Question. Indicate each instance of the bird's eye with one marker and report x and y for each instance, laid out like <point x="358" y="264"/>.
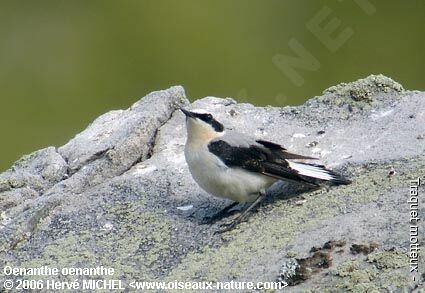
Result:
<point x="209" y="116"/>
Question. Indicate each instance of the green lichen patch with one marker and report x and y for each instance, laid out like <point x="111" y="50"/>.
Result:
<point x="26" y="160"/>
<point x="364" y="89"/>
<point x="379" y="271"/>
<point x="8" y="183"/>
<point x="347" y="268"/>
<point x="126" y="240"/>
<point x="387" y="260"/>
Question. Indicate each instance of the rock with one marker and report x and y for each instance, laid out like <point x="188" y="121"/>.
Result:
<point x="363" y="89"/>
<point x="119" y="194"/>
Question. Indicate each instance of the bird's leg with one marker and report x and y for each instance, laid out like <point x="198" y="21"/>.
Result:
<point x="220" y="214"/>
<point x="242" y="216"/>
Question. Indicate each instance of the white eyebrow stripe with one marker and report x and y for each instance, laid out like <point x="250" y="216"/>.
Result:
<point x="199" y="111"/>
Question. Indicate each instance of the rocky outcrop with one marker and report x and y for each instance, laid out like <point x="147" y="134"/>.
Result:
<point x="119" y="194"/>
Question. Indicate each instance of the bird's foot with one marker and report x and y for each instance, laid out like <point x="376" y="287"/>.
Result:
<point x="230" y="225"/>
<point x="225" y="227"/>
<point x="221" y="214"/>
<point x="214" y="218"/>
<point x="241" y="217"/>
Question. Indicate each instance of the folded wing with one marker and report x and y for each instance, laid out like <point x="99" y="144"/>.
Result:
<point x="272" y="160"/>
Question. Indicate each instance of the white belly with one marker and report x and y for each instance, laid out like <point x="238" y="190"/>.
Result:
<point x="216" y="178"/>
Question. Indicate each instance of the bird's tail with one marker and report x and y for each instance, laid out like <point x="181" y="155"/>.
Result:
<point x="313" y="171"/>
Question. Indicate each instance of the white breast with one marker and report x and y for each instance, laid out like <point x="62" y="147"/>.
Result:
<point x="216" y="178"/>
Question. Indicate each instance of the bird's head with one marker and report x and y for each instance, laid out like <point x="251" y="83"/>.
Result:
<point x="202" y="125"/>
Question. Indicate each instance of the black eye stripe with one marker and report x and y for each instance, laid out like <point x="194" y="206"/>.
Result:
<point x="217" y="125"/>
<point x="205" y="117"/>
<point x="208" y="118"/>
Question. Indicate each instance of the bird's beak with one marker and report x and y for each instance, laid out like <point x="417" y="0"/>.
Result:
<point x="187" y="113"/>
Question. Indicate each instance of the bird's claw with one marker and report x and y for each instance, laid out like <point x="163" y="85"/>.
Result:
<point x="214" y="218"/>
<point x="207" y="220"/>
<point x="225" y="227"/>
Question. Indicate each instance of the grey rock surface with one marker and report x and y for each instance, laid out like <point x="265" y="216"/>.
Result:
<point x="120" y="195"/>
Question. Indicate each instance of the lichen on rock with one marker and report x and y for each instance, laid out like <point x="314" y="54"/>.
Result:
<point x="364" y="89"/>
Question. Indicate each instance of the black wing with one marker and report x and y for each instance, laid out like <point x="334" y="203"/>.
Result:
<point x="280" y="151"/>
<point x="265" y="157"/>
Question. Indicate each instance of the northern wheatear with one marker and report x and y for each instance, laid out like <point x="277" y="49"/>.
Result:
<point x="231" y="165"/>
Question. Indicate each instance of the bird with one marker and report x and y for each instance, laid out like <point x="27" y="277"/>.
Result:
<point x="235" y="166"/>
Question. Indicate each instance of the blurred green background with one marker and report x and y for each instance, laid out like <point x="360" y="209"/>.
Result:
<point x="63" y="63"/>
